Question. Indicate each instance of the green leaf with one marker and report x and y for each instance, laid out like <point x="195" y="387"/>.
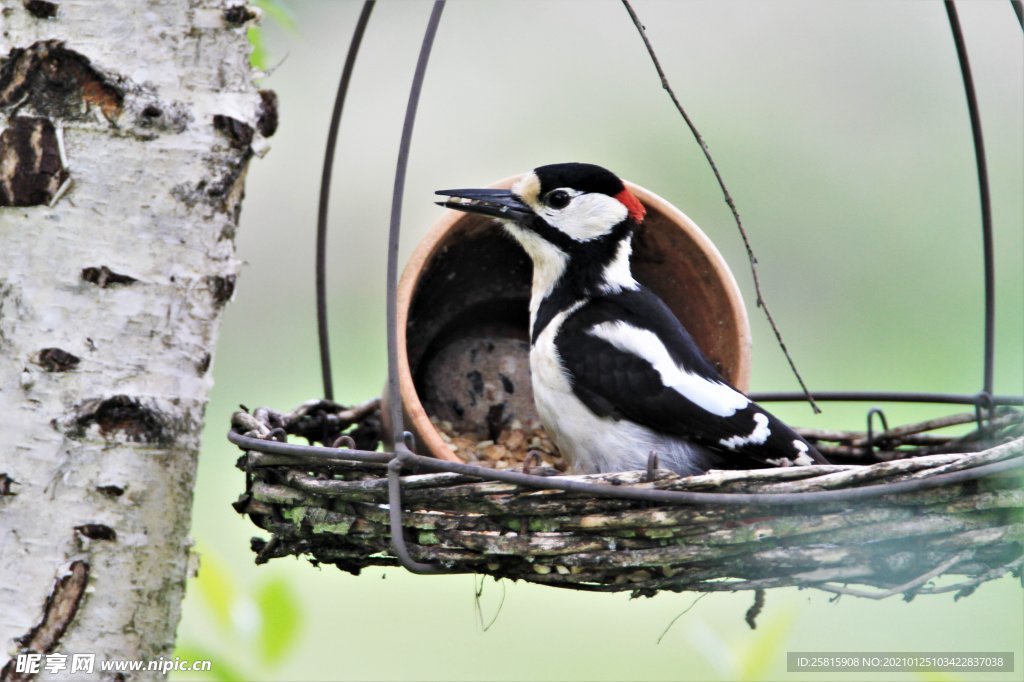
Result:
<point x="216" y="588"/>
<point x="280" y="619"/>
<point x="757" y="660"/>
<point x="258" y="58"/>
<point x="279" y="13"/>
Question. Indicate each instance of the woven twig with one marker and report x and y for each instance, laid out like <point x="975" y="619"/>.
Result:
<point x="894" y="544"/>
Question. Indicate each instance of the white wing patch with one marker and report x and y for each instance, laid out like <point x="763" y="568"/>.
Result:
<point x="713" y="396"/>
<point x="758" y="436"/>
<point x="802" y="458"/>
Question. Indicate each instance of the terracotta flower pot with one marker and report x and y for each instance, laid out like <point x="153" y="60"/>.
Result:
<point x="463" y="317"/>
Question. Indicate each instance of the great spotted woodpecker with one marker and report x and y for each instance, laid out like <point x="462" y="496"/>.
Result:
<point x="616" y="376"/>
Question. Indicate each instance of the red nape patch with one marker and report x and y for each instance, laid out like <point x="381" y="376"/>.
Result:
<point x="632" y="204"/>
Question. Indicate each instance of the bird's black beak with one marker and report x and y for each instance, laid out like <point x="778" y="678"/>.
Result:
<point x="499" y="203"/>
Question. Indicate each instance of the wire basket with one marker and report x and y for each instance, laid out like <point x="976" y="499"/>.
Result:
<point x="905" y="506"/>
<point x="893" y="525"/>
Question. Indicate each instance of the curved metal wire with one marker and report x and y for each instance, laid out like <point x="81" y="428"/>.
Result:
<point x="325" y="193"/>
<point x="988" y="247"/>
<point x="400" y="438"/>
<point x="394" y="398"/>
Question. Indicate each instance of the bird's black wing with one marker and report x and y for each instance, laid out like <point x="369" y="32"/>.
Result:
<point x="628" y="357"/>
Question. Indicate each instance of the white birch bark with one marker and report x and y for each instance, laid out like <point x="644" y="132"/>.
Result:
<point x="111" y="293"/>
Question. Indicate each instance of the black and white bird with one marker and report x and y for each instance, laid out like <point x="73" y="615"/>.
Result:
<point x="615" y="375"/>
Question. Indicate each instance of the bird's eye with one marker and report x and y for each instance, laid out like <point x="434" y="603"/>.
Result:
<point x="558" y="199"/>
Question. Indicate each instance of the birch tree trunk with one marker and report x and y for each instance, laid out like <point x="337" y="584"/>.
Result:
<point x="127" y="128"/>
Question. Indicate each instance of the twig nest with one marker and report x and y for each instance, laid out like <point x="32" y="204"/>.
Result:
<point x="463" y="318"/>
<point x="336" y="511"/>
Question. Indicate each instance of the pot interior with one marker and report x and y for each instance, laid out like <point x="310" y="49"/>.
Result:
<point x="467" y="334"/>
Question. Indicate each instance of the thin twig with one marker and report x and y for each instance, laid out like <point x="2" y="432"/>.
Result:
<point x="851" y="444"/>
<point x="680" y="615"/>
<point x="899" y="589"/>
<point x="991" y="574"/>
<point x="478" y="592"/>
<point x="728" y="200"/>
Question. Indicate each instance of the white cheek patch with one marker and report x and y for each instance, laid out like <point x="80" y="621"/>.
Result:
<point x="715" y="397"/>
<point x="587" y="217"/>
<point x="757" y="437"/>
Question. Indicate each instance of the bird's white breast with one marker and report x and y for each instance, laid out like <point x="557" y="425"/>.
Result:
<point x="590" y="443"/>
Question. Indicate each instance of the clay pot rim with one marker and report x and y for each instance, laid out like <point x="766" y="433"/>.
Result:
<point x="416" y="416"/>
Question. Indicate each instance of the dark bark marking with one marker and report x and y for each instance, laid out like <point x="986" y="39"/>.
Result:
<point x="267" y="120"/>
<point x="104" y="277"/>
<point x="97" y="531"/>
<point x="58" y="613"/>
<point x="238" y="132"/>
<point x="5" y="485"/>
<point x="56" y="360"/>
<point x="110" y="490"/>
<point x="41" y="9"/>
<point x="55" y="81"/>
<point x="222" y="287"/>
<point x="203" y="366"/>
<point x="238" y="15"/>
<point x="31" y="171"/>
<point x="220" y="189"/>
<point x="121" y="414"/>
<point x="155" y="116"/>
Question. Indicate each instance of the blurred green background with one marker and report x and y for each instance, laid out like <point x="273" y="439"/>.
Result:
<point x="843" y="135"/>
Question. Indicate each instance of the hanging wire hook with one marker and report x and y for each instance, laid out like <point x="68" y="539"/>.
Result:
<point x="875" y="411"/>
<point x="532" y="459"/>
<point x="985" y="406"/>
<point x="344" y="442"/>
